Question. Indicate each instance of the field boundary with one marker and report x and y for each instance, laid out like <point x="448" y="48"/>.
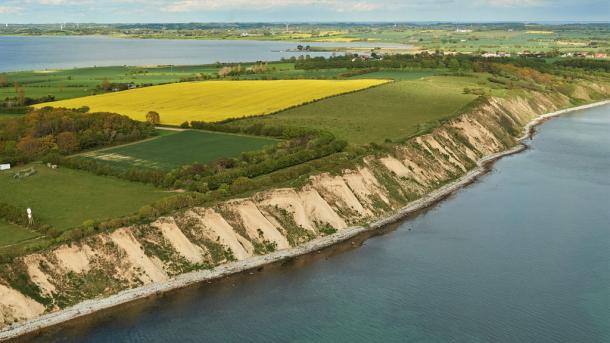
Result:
<point x="177" y="149"/>
<point x="230" y="120"/>
<point x="178" y="116"/>
<point x="82" y="153"/>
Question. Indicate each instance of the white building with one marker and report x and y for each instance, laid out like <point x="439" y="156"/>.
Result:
<point x="5" y="166"/>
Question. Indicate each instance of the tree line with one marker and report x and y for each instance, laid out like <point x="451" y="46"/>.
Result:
<point x="461" y="62"/>
<point x="64" y="131"/>
<point x="422" y="60"/>
<point x="227" y="175"/>
<point x="586" y="64"/>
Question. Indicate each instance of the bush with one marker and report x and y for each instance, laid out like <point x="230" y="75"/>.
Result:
<point x="89" y="225"/>
<point x="13" y="214"/>
<point x="327" y="230"/>
<point x="147" y="212"/>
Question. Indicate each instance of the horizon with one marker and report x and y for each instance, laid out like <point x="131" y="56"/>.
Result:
<point x="363" y="22"/>
<point x="294" y="11"/>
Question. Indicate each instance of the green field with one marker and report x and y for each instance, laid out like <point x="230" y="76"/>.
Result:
<point x="65" y="198"/>
<point x="286" y="71"/>
<point x="12" y="234"/>
<point x="392" y="111"/>
<point x="7" y="116"/>
<point x="180" y="148"/>
<point x="80" y="82"/>
<point x="532" y="39"/>
<point x="398" y="75"/>
<point x="71" y="83"/>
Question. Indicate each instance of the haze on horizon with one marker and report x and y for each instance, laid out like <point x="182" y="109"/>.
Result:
<point x="160" y="11"/>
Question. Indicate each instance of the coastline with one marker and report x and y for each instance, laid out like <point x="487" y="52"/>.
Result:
<point x="94" y="305"/>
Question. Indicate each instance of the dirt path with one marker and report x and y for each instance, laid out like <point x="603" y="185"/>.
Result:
<point x="24" y="241"/>
<point x="128" y="144"/>
<point x="169" y="128"/>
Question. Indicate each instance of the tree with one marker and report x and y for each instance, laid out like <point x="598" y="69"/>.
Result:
<point x="67" y="142"/>
<point x="453" y="64"/>
<point x="106" y="85"/>
<point x="66" y="131"/>
<point x="20" y="93"/>
<point x="224" y="71"/>
<point x="3" y="80"/>
<point x="153" y="117"/>
<point x="29" y="146"/>
<point x="242" y="184"/>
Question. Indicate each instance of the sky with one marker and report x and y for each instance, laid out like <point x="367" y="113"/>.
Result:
<point x="163" y="11"/>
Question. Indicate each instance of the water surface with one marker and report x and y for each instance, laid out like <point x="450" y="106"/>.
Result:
<point x="522" y="255"/>
<point x="49" y="52"/>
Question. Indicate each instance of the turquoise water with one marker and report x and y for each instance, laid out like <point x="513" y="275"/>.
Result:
<point x="522" y="255"/>
<point x="32" y="53"/>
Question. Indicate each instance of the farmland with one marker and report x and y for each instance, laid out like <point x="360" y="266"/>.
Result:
<point x="321" y="109"/>
<point x="180" y="148"/>
<point x="466" y="37"/>
<point x="64" y="198"/>
<point x="396" y="110"/>
<point x="79" y="82"/>
<point x="215" y="100"/>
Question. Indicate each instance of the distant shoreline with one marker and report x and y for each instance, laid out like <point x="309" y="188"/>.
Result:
<point x="340" y="44"/>
<point x="25" y="54"/>
<point x="90" y="306"/>
<point x="320" y="46"/>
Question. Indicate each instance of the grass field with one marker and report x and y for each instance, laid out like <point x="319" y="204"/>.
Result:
<point x="532" y="38"/>
<point x="215" y="100"/>
<point x="393" y="111"/>
<point x="7" y="116"/>
<point x="79" y="82"/>
<point x="12" y="234"/>
<point x="180" y="148"/>
<point x="64" y="198"/>
<point x="397" y="74"/>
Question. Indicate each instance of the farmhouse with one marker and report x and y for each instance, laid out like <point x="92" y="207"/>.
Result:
<point x="494" y="55"/>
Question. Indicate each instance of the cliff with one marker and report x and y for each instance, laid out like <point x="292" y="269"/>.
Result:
<point x="202" y="238"/>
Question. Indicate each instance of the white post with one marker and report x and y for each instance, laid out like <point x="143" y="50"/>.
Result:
<point x="30" y="218"/>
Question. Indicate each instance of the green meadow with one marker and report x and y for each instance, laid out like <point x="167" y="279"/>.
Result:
<point x="393" y="111"/>
<point x="398" y="75"/>
<point x="13" y="234"/>
<point x="78" y="82"/>
<point x="65" y="198"/>
<point x="180" y="148"/>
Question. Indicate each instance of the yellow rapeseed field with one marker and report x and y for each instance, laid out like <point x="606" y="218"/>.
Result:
<point x="214" y="100"/>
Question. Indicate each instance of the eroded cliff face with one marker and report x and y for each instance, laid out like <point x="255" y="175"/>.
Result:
<point x="234" y="230"/>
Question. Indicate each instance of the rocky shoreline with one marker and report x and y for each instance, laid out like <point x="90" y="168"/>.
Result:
<point x="90" y="306"/>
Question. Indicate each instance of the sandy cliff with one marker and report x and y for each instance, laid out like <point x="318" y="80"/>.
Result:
<point x="235" y="230"/>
